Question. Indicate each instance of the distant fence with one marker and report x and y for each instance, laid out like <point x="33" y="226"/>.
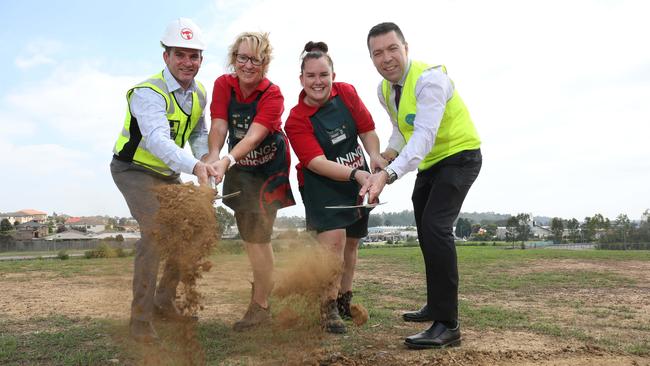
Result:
<point x="35" y="245"/>
<point x="573" y="246"/>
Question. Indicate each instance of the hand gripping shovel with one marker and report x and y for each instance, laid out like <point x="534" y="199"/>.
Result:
<point x="213" y="184"/>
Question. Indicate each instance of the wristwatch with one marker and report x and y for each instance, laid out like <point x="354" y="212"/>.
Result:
<point x="232" y="160"/>
<point x="352" y="173"/>
<point x="392" y="176"/>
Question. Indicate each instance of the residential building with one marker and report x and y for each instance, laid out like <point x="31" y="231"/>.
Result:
<point x="31" y="230"/>
<point x="89" y="224"/>
<point x="25" y="215"/>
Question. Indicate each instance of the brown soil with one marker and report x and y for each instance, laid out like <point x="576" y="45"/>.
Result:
<point x="187" y="234"/>
<point x="226" y="293"/>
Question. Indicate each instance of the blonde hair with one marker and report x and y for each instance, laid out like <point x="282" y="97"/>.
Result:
<point x="258" y="42"/>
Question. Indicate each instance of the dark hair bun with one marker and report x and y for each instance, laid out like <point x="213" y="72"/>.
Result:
<point x="316" y="46"/>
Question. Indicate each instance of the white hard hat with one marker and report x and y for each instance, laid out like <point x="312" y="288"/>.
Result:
<point x="183" y="32"/>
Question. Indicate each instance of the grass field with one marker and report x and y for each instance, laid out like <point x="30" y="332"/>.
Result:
<point x="533" y="307"/>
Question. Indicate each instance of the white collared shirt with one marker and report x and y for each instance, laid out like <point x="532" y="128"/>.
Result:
<point x="149" y="108"/>
<point x="432" y="91"/>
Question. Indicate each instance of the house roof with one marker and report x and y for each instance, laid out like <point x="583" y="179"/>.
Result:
<point x="85" y="221"/>
<point x="23" y="213"/>
<point x="31" y="224"/>
<point x="69" y="235"/>
<point x="31" y="211"/>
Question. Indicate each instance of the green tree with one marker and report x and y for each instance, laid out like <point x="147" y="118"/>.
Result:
<point x="375" y="220"/>
<point x="523" y="229"/>
<point x="573" y="226"/>
<point x="623" y="226"/>
<point x="557" y="228"/>
<point x="491" y="230"/>
<point x="511" y="229"/>
<point x="463" y="228"/>
<point x="225" y="219"/>
<point x="112" y="222"/>
<point x="5" y="225"/>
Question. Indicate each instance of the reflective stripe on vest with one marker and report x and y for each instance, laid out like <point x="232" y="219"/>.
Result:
<point x="130" y="145"/>
<point x="456" y="132"/>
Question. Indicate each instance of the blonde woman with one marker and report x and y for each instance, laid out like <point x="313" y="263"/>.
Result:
<point x="247" y="108"/>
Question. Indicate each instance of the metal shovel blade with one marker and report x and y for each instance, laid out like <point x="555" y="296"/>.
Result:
<point x="213" y="184"/>
<point x="219" y="197"/>
<point x="367" y="205"/>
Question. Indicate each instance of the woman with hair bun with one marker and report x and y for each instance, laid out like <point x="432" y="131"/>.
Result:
<point x="323" y="129"/>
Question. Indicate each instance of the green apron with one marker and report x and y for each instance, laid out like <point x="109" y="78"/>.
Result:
<point x="336" y="132"/>
<point x="262" y="176"/>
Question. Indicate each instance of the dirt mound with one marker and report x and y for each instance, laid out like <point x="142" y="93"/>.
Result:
<point x="359" y="314"/>
<point x="187" y="234"/>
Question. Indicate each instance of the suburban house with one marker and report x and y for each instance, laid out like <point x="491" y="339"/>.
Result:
<point x="89" y="224"/>
<point x="24" y="216"/>
<point x="31" y="230"/>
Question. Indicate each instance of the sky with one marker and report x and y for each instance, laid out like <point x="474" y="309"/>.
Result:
<point x="558" y="90"/>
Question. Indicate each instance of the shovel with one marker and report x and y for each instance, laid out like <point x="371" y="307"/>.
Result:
<point x="365" y="204"/>
<point x="213" y="184"/>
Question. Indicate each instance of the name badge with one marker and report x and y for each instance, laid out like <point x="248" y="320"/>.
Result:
<point x="337" y="135"/>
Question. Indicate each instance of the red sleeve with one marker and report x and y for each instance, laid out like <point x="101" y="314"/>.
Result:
<point x="220" y="99"/>
<point x="301" y="137"/>
<point x="270" y="109"/>
<point x="359" y="111"/>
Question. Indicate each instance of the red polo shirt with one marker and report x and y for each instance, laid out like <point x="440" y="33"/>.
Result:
<point x="301" y="132"/>
<point x="269" y="108"/>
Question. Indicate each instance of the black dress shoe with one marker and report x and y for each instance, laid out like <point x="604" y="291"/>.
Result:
<point x="143" y="332"/>
<point x="438" y="336"/>
<point x="171" y="313"/>
<point x="421" y="315"/>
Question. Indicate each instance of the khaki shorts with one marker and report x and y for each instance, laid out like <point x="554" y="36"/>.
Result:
<point x="255" y="227"/>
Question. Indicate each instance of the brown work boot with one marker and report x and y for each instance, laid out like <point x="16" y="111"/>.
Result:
<point x="143" y="332"/>
<point x="343" y="304"/>
<point x="255" y="315"/>
<point x="330" y="318"/>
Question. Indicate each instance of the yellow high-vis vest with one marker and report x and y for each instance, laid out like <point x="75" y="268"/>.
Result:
<point x="456" y="132"/>
<point x="129" y="145"/>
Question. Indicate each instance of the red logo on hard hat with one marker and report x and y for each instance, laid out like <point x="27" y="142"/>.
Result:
<point x="187" y="34"/>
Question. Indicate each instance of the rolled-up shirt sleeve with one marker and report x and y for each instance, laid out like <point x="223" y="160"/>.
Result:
<point x="149" y="108"/>
<point x="432" y="90"/>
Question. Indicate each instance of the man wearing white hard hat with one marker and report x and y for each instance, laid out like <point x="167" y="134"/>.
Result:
<point x="164" y="112"/>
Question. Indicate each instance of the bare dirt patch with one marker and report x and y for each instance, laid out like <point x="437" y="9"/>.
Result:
<point x="226" y="290"/>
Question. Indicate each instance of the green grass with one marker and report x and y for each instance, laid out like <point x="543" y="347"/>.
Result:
<point x="73" y="266"/>
<point x="37" y="253"/>
<point x="59" y="341"/>
<point x="513" y="297"/>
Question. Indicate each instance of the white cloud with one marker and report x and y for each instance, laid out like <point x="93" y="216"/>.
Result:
<point x="557" y="90"/>
<point x="37" y="53"/>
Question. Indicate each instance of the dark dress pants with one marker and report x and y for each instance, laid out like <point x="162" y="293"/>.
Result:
<point x="438" y="195"/>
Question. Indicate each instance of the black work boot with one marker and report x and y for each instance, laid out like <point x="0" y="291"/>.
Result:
<point x="330" y="318"/>
<point x="343" y="302"/>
